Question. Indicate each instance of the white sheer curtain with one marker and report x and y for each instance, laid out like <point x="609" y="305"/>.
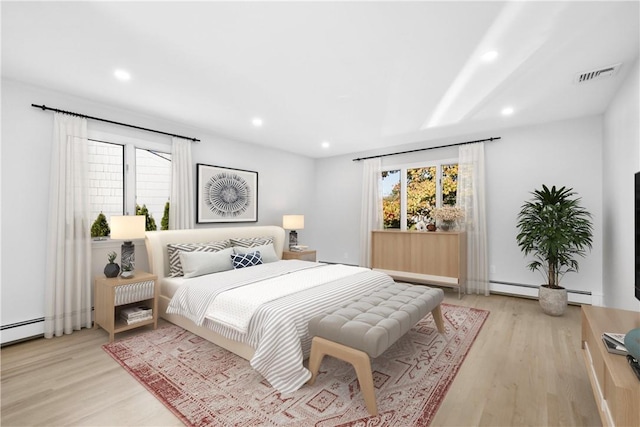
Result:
<point x="181" y="208"/>
<point x="471" y="198"/>
<point x="68" y="273"/>
<point x="371" y="209"/>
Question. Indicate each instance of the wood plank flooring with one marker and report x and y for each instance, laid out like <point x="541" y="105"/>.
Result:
<point x="525" y="369"/>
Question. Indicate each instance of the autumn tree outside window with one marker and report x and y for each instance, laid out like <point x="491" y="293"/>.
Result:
<point x="410" y="193"/>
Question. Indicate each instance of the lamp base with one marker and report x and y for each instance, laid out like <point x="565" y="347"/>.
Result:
<point x="128" y="257"/>
<point x="293" y="238"/>
<point x="127" y="274"/>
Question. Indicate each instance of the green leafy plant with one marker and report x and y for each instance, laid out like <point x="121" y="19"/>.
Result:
<point x="555" y="229"/>
<point x="100" y="227"/>
<point x="150" y="223"/>
<point x="164" y="223"/>
<point x="111" y="256"/>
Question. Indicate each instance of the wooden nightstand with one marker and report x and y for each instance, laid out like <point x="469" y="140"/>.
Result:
<point x="302" y="255"/>
<point x="112" y="295"/>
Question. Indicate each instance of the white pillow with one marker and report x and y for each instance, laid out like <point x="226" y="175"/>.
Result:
<point x="199" y="263"/>
<point x="267" y="252"/>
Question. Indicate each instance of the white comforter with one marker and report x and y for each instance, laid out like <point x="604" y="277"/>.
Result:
<point x="277" y="326"/>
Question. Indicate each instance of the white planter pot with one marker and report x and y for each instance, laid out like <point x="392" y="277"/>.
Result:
<point x="552" y="301"/>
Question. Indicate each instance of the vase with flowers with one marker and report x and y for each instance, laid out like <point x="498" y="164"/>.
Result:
<point x="447" y="217"/>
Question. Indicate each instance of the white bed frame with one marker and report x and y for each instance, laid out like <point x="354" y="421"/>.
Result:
<point x="156" y="243"/>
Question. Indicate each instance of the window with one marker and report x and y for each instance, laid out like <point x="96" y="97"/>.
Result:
<point x="106" y="179"/>
<point x="124" y="176"/>
<point x="409" y="194"/>
<point x="153" y="182"/>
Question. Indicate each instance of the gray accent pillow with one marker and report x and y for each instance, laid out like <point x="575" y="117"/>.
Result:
<point x="267" y="251"/>
<point x="198" y="263"/>
<point x="174" y="249"/>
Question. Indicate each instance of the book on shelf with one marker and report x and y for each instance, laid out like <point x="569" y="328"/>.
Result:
<point x="614" y="337"/>
<point x="136" y="320"/>
<point x="137" y="312"/>
<point x="613" y="347"/>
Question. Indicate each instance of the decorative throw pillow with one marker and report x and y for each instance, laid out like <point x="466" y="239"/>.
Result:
<point x="174" y="249"/>
<point x="199" y="263"/>
<point x="267" y="252"/>
<point x="250" y="242"/>
<point x="246" y="260"/>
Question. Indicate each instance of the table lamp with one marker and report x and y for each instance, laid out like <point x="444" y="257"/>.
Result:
<point x="293" y="223"/>
<point x="127" y="228"/>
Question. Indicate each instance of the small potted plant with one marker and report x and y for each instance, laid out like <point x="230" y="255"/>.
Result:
<point x="555" y="229"/>
<point x="447" y="217"/>
<point x="112" y="269"/>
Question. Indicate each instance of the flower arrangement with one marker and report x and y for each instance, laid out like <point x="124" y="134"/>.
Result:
<point x="448" y="213"/>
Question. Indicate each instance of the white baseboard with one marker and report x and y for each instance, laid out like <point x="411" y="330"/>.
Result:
<point x="22" y="332"/>
<point x="532" y="292"/>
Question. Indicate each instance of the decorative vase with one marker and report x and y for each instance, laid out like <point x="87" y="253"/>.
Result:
<point x="112" y="270"/>
<point x="431" y="227"/>
<point x="447" y="225"/>
<point x="632" y="342"/>
<point x="552" y="301"/>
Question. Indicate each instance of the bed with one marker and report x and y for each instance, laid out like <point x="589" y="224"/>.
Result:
<point x="274" y="338"/>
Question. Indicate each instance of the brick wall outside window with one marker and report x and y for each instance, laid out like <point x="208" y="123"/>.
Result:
<point x="106" y="180"/>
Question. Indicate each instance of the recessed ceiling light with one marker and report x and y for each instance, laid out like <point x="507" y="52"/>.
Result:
<point x="325" y="144"/>
<point x="507" y="111"/>
<point x="490" y="56"/>
<point x="122" y="75"/>
<point x="257" y="122"/>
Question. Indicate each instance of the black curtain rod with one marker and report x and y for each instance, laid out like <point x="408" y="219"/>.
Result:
<point x="494" y="138"/>
<point x="44" y="107"/>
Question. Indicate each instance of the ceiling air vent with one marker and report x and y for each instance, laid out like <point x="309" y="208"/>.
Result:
<point x="599" y="74"/>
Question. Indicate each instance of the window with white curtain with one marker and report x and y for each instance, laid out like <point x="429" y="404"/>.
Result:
<point x="123" y="176"/>
<point x="411" y="192"/>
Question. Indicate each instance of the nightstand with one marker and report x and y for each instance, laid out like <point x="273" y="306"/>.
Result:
<point x="112" y="295"/>
<point x="302" y="255"/>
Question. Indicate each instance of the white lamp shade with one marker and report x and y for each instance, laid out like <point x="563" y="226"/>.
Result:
<point x="293" y="222"/>
<point x="128" y="227"/>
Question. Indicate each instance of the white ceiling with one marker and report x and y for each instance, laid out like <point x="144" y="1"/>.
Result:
<point x="361" y="75"/>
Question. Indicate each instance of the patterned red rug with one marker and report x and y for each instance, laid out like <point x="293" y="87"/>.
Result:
<point x="205" y="385"/>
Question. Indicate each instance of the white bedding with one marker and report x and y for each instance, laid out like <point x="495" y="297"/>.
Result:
<point x="235" y="308"/>
<point x="195" y="296"/>
<point x="277" y="329"/>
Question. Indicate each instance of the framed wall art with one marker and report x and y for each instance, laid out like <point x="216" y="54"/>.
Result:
<point x="226" y="195"/>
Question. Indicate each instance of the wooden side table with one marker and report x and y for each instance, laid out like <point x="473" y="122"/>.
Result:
<point x="301" y="255"/>
<point x="112" y="295"/>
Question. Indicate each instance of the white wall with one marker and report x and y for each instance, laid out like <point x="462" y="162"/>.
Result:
<point x="565" y="153"/>
<point x="621" y="160"/>
<point x="284" y="181"/>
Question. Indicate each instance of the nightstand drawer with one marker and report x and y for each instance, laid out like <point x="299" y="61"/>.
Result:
<point x="301" y="255"/>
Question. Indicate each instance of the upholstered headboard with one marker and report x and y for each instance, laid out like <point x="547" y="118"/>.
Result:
<point x="157" y="241"/>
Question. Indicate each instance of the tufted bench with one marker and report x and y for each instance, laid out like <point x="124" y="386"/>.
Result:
<point x="366" y="327"/>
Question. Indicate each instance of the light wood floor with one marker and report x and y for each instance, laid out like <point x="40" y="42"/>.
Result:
<point x="525" y="369"/>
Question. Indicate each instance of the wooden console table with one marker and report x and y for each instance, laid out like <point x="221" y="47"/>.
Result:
<point x="438" y="258"/>
<point x="615" y="386"/>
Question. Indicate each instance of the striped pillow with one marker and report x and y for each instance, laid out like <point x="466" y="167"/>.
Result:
<point x="250" y="242"/>
<point x="174" y="249"/>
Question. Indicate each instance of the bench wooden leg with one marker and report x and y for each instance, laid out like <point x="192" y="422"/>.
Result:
<point x="321" y="347"/>
<point x="437" y="317"/>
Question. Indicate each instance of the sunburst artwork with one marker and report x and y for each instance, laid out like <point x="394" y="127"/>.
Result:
<point x="226" y="195"/>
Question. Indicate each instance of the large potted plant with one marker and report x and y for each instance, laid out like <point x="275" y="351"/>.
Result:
<point x="555" y="229"/>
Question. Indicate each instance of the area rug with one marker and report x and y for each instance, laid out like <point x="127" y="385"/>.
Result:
<point x="205" y="385"/>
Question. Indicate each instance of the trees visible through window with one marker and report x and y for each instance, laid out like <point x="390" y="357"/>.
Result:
<point x="410" y="194"/>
